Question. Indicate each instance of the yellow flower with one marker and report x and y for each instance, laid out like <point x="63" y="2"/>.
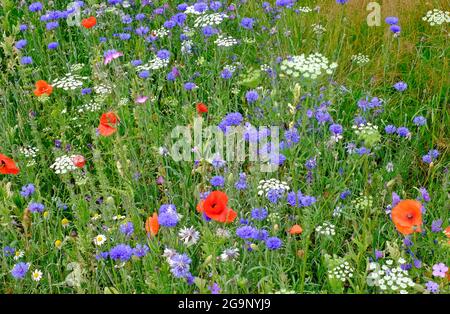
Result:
<point x="58" y="244"/>
<point x="46" y="214"/>
<point x="65" y="222"/>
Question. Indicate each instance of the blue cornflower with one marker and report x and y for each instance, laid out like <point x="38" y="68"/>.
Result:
<point x="144" y="74"/>
<point x="306" y="200"/>
<point x="179" y="18"/>
<point x="241" y="184"/>
<point x="34" y="7"/>
<point x="190" y="86"/>
<point x="259" y="213"/>
<point x="209" y="31"/>
<point x="170" y="24"/>
<point x="168" y="216"/>
<point x="86" y="91"/>
<point x="136" y="62"/>
<point x="36" y="207"/>
<point x="291" y="199"/>
<point x="400" y="86"/>
<point x="9" y="251"/>
<point x="200" y="7"/>
<point x="403" y="131"/>
<point x="391" y="20"/>
<point x="245" y="232"/>
<point x="344" y="194"/>
<point x="142" y="30"/>
<point x="419" y="121"/>
<point x="363" y="151"/>
<point x="179" y="264"/>
<point x="52" y="25"/>
<point x="215" y="5"/>
<point x="341" y="1"/>
<point x="273" y="195"/>
<point x="124" y="36"/>
<point x="247" y="23"/>
<point x="140" y="250"/>
<point x="217" y="181"/>
<point x="214" y="288"/>
<point x="53" y="45"/>
<point x="226" y="74"/>
<point x="274" y="243"/>
<point x="27" y="190"/>
<point x="292" y="135"/>
<point x="311" y="163"/>
<point x="395" y="29"/>
<point x="23" y="27"/>
<point x="163" y="54"/>
<point x="26" y="60"/>
<point x="101" y="255"/>
<point x="284" y="3"/>
<point x="336" y="129"/>
<point x="122" y="252"/>
<point x="252" y="96"/>
<point x="20" y="44"/>
<point x="390" y="129"/>
<point x="436" y="225"/>
<point x="182" y="7"/>
<point x="127" y="229"/>
<point x="139" y="16"/>
<point x="20" y="270"/>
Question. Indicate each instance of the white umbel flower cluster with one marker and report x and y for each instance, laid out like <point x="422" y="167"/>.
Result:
<point x="265" y="186"/>
<point x="226" y="41"/>
<point x="437" y="17"/>
<point x="389" y="278"/>
<point x="342" y="272"/>
<point x="311" y="66"/>
<point x="103" y="89"/>
<point x="69" y="81"/>
<point x="327" y="229"/>
<point x="161" y="32"/>
<point x="190" y="10"/>
<point x="362" y="202"/>
<point x="305" y="9"/>
<point x="63" y="164"/>
<point x="92" y="106"/>
<point x="29" y="151"/>
<point x="209" y="19"/>
<point x="360" y="59"/>
<point x="154" y="64"/>
<point x="318" y="29"/>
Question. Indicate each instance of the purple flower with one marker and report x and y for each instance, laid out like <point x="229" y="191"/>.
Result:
<point x="200" y="7"/>
<point x="27" y="190"/>
<point x="127" y="229"/>
<point x="378" y="254"/>
<point x="86" y="91"/>
<point x="284" y="3"/>
<point x="247" y="23"/>
<point x="144" y="74"/>
<point x="400" y="86"/>
<point x="427" y="159"/>
<point x="245" y="232"/>
<point x="34" y="7"/>
<point x="363" y="151"/>
<point x="390" y="129"/>
<point x="403" y="132"/>
<point x="336" y="129"/>
<point x="241" y="184"/>
<point x="53" y="45"/>
<point x="425" y="195"/>
<point x="20" y="44"/>
<point x="26" y="60"/>
<point x="226" y="74"/>
<point x="440" y="270"/>
<point x="36" y="207"/>
<point x="432" y="287"/>
<point x="168" y="216"/>
<point x="179" y="264"/>
<point x="121" y="252"/>
<point x="140" y="250"/>
<point x="52" y="25"/>
<point x="163" y="54"/>
<point x="260" y="235"/>
<point x="251" y="96"/>
<point x="436" y="225"/>
<point x="259" y="213"/>
<point x="341" y="1"/>
<point x="391" y="20"/>
<point x="344" y="194"/>
<point x="20" y="270"/>
<point x="190" y="86"/>
<point x="217" y="181"/>
<point x="214" y="288"/>
<point x="395" y="29"/>
<point x="274" y="243"/>
<point x="407" y="242"/>
<point x="419" y="121"/>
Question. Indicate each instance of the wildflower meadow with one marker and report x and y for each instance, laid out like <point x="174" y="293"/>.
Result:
<point x="232" y="147"/>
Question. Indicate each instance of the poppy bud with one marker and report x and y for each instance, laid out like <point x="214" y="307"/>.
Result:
<point x="295" y="229"/>
<point x="201" y="108"/>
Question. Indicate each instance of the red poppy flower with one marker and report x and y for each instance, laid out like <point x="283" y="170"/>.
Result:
<point x="108" y="122"/>
<point x="42" y="87"/>
<point x="407" y="216"/>
<point x="295" y="229"/>
<point x="78" y="161"/>
<point x="152" y="224"/>
<point x="215" y="207"/>
<point x="7" y="165"/>
<point x="201" y="108"/>
<point x="89" y="22"/>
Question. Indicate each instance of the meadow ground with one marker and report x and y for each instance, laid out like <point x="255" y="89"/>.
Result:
<point x="95" y="199"/>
